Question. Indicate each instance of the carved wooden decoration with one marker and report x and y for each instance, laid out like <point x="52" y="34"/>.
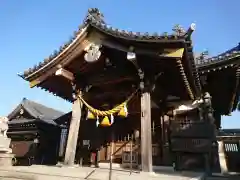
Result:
<point x="178" y="30"/>
<point x="93" y="53"/>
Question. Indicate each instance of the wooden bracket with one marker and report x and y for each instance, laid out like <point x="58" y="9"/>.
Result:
<point x="63" y="72"/>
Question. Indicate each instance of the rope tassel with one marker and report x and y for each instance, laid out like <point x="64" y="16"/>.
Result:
<point x="90" y="115"/>
<point x="105" y="122"/>
<point x="123" y="111"/>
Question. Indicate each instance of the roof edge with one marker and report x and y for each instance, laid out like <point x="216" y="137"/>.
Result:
<point x="227" y="55"/>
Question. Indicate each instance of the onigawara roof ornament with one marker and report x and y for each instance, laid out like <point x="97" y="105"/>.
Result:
<point x="179" y="30"/>
<point x="94" y="15"/>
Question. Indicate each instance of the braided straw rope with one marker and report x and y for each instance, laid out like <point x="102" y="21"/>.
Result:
<point x="108" y="112"/>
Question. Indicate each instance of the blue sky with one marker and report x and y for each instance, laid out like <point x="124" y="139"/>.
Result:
<point x="32" y="30"/>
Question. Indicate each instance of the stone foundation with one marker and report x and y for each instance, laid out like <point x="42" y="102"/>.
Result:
<point x="6" y="159"/>
<point x="6" y="155"/>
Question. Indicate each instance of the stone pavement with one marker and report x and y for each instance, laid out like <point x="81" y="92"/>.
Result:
<point x="228" y="176"/>
<point x="81" y="173"/>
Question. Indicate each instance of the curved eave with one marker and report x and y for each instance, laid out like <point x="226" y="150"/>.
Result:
<point x="235" y="104"/>
<point x="56" y="59"/>
<point x="220" y="62"/>
<point x="194" y="71"/>
<point x="92" y="20"/>
<point x="232" y="65"/>
<point x="235" y="95"/>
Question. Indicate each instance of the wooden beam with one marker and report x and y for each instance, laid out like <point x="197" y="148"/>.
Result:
<point x="146" y="133"/>
<point x="173" y="53"/>
<point x="73" y="132"/>
<point x="114" y="94"/>
<point x="63" y="72"/>
<point x="148" y="51"/>
<point x="110" y="80"/>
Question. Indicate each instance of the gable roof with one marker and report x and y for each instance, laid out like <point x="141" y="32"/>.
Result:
<point x="95" y="20"/>
<point x="36" y="110"/>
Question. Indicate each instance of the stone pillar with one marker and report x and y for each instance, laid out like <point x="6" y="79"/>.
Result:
<point x="73" y="133"/>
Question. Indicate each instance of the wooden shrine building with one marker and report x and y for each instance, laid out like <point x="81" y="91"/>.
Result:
<point x="220" y="77"/>
<point x="30" y="122"/>
<point x="125" y="84"/>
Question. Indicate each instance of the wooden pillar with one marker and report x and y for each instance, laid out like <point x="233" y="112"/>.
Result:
<point x="146" y="133"/>
<point x="222" y="157"/>
<point x="73" y="132"/>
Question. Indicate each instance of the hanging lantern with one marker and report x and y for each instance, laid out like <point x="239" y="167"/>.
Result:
<point x="105" y="122"/>
<point x="90" y="115"/>
<point x="123" y="112"/>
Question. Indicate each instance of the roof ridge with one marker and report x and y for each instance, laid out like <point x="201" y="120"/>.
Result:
<point x="41" y="111"/>
<point x="32" y="108"/>
<point x="25" y="103"/>
<point x="43" y="105"/>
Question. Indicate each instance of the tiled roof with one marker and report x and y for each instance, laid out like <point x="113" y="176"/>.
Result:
<point x="37" y="111"/>
<point x="229" y="54"/>
<point x="95" y="19"/>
